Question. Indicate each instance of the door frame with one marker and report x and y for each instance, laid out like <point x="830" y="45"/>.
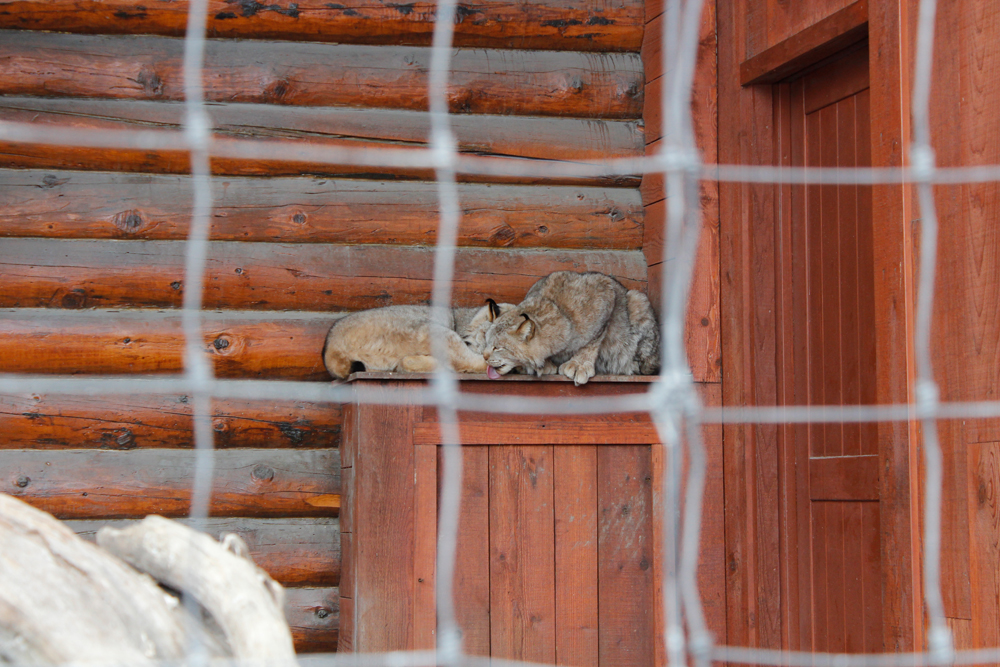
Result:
<point x="749" y="270"/>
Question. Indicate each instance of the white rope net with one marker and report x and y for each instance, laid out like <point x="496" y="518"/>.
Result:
<point x="672" y="401"/>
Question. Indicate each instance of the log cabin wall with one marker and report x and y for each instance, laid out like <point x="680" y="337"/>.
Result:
<point x="93" y="255"/>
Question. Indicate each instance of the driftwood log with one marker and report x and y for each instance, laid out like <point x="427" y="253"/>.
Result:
<point x="246" y="603"/>
<point x="62" y="599"/>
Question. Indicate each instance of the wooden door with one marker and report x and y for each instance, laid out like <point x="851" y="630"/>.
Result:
<point x="830" y="535"/>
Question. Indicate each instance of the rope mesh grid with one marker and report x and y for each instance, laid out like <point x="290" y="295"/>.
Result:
<point x="672" y="401"/>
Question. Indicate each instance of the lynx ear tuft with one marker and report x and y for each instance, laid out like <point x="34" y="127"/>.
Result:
<point x="527" y="328"/>
<point x="494" y="311"/>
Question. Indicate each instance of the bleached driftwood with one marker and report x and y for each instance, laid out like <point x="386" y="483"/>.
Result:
<point x="63" y="599"/>
<point x="245" y="602"/>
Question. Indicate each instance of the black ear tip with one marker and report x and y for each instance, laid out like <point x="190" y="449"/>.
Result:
<point x="494" y="309"/>
<point x="525" y="316"/>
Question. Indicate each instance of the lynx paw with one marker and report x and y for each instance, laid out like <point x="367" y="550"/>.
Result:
<point x="578" y="371"/>
<point x="549" y="368"/>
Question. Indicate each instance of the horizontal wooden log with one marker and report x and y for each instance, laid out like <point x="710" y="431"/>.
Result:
<point x="91" y="484"/>
<point x="528" y="83"/>
<point x="295" y="552"/>
<point x="573" y="25"/>
<point x="264" y="276"/>
<point x="507" y="137"/>
<point x="128" y="422"/>
<point x="313" y="614"/>
<point x="80" y="204"/>
<point x="49" y="341"/>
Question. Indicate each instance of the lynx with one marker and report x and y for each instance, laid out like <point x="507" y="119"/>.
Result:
<point x="578" y="325"/>
<point x="398" y="338"/>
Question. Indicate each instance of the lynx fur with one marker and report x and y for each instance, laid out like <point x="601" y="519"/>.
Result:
<point x="398" y="338"/>
<point x="579" y="325"/>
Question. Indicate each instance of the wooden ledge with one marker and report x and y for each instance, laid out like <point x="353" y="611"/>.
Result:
<point x="479" y="377"/>
<point x="808" y="47"/>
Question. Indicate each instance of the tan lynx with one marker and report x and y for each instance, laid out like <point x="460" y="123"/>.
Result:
<point x="398" y="338"/>
<point x="579" y="325"/>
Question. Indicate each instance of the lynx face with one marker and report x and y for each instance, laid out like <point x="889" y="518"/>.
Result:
<point x="509" y="345"/>
<point x="474" y="334"/>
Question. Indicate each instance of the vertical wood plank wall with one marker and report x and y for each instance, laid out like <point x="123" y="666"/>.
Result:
<point x="966" y="131"/>
<point x="966" y="321"/>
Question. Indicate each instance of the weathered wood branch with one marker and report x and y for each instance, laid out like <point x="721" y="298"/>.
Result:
<point x="262" y="276"/>
<point x="80" y="342"/>
<point x="68" y="204"/>
<point x="575" y="25"/>
<point x="64" y="600"/>
<point x="90" y="484"/>
<point x="507" y="137"/>
<point x="527" y="83"/>
<point x="246" y="603"/>
<point x="295" y="551"/>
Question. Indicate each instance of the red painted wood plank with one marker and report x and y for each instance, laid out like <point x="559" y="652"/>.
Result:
<point x="807" y="46"/>
<point x="871" y="556"/>
<point x="472" y="564"/>
<point x="522" y="567"/>
<point x="829" y="264"/>
<point x="425" y="515"/>
<point x="844" y="478"/>
<point x="576" y="581"/>
<point x="625" y="556"/>
<point x="836" y="584"/>
<point x="551" y="430"/>
<point x="383" y="528"/>
<point x="851" y="297"/>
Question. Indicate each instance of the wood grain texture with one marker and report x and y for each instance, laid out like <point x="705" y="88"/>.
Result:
<point x="127" y="422"/>
<point x="472" y="559"/>
<point x="573" y="25"/>
<point x="814" y="43"/>
<point x="533" y="83"/>
<point x="313" y="616"/>
<point x="777" y="20"/>
<point x="575" y="506"/>
<point x="522" y="556"/>
<point x="295" y="552"/>
<point x="625" y="556"/>
<point x="70" y="204"/>
<point x="746" y="136"/>
<point x="890" y="26"/>
<point x="88" y="274"/>
<point x="380" y="515"/>
<point x="89" y="484"/>
<point x="561" y="139"/>
<point x="40" y="341"/>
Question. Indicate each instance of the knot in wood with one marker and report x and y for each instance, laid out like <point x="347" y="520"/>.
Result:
<point x="322" y="612"/>
<point x="262" y="473"/>
<point x="22" y="481"/>
<point x="219" y="425"/>
<point x="299" y="218"/>
<point x="220" y="343"/>
<point x="75" y="298"/>
<point x="126" y="439"/>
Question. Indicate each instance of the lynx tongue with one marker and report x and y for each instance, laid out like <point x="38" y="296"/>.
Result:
<point x="491" y="373"/>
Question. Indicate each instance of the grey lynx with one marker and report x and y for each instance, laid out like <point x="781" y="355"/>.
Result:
<point x="579" y="325"/>
<point x="398" y="338"/>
